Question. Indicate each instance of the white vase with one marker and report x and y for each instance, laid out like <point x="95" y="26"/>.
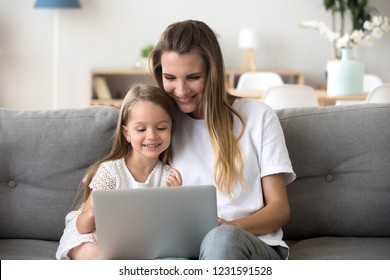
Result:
<point x="345" y="76"/>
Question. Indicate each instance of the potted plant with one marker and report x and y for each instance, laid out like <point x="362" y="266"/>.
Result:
<point x="359" y="11"/>
<point x="145" y="52"/>
<point x="366" y="26"/>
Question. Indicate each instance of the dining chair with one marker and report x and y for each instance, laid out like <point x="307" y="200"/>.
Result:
<point x="380" y="94"/>
<point x="370" y="81"/>
<point x="258" y="81"/>
<point x="290" y="95"/>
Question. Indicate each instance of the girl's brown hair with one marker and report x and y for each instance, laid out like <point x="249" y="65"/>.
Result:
<point x="120" y="147"/>
<point x="196" y="36"/>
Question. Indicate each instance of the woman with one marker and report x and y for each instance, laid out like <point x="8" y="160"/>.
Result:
<point x="236" y="144"/>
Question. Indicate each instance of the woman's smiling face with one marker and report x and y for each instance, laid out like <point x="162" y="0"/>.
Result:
<point x="184" y="78"/>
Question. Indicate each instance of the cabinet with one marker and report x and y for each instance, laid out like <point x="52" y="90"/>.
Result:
<point x="109" y="86"/>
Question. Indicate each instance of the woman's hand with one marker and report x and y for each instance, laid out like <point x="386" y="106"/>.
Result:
<point x="224" y="222"/>
<point x="174" y="178"/>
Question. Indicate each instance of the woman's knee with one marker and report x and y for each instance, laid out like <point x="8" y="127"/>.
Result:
<point x="220" y="243"/>
<point x="225" y="233"/>
<point x="232" y="243"/>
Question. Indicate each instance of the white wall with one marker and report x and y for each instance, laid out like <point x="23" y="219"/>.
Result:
<point x="110" y="33"/>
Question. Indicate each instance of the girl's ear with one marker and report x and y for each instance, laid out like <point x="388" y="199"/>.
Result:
<point x="124" y="131"/>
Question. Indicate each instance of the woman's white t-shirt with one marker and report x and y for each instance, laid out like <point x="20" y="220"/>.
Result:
<point x="264" y="153"/>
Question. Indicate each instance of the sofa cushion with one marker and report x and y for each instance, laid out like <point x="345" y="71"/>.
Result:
<point x="27" y="249"/>
<point x="44" y="155"/>
<point x="341" y="155"/>
<point x="341" y="248"/>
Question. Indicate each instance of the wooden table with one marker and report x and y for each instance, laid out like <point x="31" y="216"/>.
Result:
<point x="323" y="98"/>
<point x="326" y="100"/>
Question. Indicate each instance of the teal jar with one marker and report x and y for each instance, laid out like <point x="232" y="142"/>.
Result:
<point x="345" y="76"/>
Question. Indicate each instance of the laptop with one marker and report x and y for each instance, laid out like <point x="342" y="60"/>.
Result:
<point x="154" y="223"/>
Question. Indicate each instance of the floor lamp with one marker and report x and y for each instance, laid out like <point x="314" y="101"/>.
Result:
<point x="56" y="4"/>
<point x="247" y="40"/>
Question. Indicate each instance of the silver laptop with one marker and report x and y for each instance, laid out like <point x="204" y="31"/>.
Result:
<point x="166" y="222"/>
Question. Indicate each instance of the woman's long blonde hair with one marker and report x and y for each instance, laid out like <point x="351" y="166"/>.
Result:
<point x="120" y="147"/>
<point x="196" y="36"/>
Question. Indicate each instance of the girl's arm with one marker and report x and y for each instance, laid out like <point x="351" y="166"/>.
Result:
<point x="86" y="220"/>
<point x="274" y="214"/>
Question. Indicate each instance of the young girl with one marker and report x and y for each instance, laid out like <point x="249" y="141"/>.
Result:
<point x="138" y="159"/>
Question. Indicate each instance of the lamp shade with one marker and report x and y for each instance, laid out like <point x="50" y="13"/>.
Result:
<point x="247" y="38"/>
<point x="64" y="4"/>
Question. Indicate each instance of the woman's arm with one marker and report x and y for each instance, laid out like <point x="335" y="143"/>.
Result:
<point x="86" y="220"/>
<point x="274" y="214"/>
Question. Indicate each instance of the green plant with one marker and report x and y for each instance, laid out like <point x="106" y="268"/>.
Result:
<point x="358" y="9"/>
<point x="359" y="12"/>
<point x="145" y="52"/>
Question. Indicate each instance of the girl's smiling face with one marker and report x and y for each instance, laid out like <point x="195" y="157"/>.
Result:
<point x="148" y="130"/>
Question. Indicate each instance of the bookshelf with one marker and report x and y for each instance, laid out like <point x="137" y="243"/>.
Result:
<point x="117" y="81"/>
<point x="110" y="85"/>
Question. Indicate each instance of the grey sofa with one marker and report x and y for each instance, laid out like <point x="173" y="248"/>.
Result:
<point x="340" y="201"/>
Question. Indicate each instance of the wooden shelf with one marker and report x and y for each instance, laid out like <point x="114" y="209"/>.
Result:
<point x="119" y="80"/>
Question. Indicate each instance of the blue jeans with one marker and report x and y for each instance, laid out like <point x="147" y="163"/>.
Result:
<point x="232" y="243"/>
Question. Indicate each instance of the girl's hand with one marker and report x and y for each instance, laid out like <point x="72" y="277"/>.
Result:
<point x="86" y="220"/>
<point x="174" y="178"/>
<point x="95" y="236"/>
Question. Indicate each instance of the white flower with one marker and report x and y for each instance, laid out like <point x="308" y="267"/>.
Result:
<point x="377" y="33"/>
<point x="322" y="29"/>
<point x="377" y="20"/>
<point x="368" y="41"/>
<point x="368" y="25"/>
<point x="357" y="37"/>
<point x="373" y="29"/>
<point x="386" y="25"/>
<point x="343" y="42"/>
